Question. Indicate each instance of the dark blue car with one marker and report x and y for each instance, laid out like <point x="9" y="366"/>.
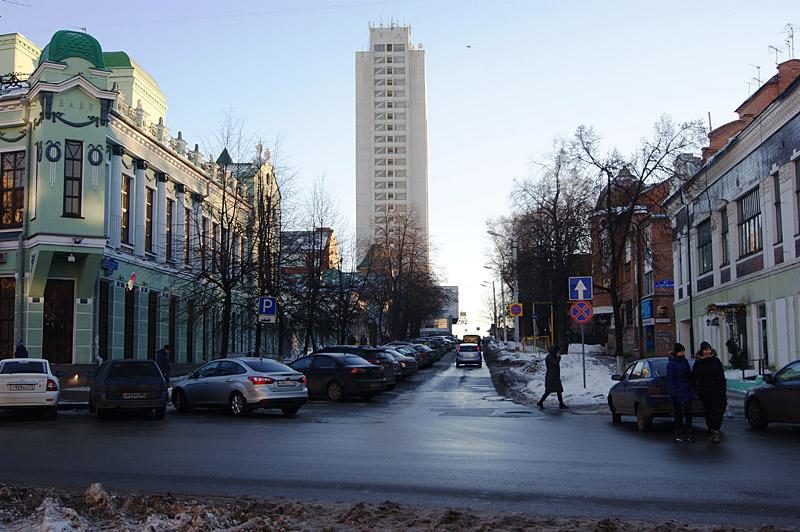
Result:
<point x="642" y="392"/>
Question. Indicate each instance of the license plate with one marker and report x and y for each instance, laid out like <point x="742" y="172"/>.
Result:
<point x="286" y="383"/>
<point x="21" y="387"/>
<point x="137" y="395"/>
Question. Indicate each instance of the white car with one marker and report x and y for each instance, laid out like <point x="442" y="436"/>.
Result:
<point x="29" y="383"/>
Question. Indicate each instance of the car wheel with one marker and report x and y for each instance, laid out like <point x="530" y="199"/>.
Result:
<point x="335" y="391"/>
<point x="160" y="413"/>
<point x="755" y="415"/>
<point x="91" y="407"/>
<point x="615" y="418"/>
<point x="290" y="411"/>
<point x="237" y="405"/>
<point x="643" y="421"/>
<point x="179" y="401"/>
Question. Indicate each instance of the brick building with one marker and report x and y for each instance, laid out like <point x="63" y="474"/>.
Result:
<point x="644" y="278"/>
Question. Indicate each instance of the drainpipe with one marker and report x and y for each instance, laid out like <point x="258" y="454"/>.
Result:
<point x="20" y="286"/>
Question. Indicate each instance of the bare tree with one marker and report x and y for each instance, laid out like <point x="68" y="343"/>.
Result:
<point x="630" y="185"/>
<point x="551" y="225"/>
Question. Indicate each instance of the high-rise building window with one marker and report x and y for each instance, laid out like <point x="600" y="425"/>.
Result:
<point x="126" y="206"/>
<point x="170" y="210"/>
<point x="148" y="220"/>
<point x="73" y="177"/>
<point x="704" y="251"/>
<point x="778" y="214"/>
<point x="12" y="190"/>
<point x="750" y="224"/>
<point x="726" y="249"/>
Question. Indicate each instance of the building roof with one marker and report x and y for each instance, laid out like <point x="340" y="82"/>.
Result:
<point x="117" y="59"/>
<point x="68" y="43"/>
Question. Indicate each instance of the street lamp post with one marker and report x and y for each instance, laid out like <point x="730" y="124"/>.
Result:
<point x="514" y="245"/>
<point x="494" y="304"/>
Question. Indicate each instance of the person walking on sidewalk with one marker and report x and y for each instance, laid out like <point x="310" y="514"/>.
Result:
<point x="163" y="362"/>
<point x="679" y="385"/>
<point x="709" y="379"/>
<point x="552" y="379"/>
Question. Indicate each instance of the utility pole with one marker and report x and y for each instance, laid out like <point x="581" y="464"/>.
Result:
<point x="494" y="308"/>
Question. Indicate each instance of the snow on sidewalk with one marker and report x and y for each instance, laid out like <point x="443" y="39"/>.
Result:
<point x="525" y="374"/>
<point x="598" y="380"/>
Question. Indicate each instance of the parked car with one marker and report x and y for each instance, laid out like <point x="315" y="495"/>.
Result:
<point x="28" y="383"/>
<point x="408" y="364"/>
<point x="241" y="385"/>
<point x="338" y="375"/>
<point x="432" y="353"/>
<point x="642" y="392"/>
<point x="128" y="385"/>
<point x="423" y="359"/>
<point x="468" y="355"/>
<point x="374" y="355"/>
<point x="777" y="399"/>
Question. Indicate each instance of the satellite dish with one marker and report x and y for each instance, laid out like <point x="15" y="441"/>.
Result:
<point x="419" y="46"/>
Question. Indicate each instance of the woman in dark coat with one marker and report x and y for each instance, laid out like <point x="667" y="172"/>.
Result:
<point x="709" y="379"/>
<point x="679" y="385"/>
<point x="552" y="379"/>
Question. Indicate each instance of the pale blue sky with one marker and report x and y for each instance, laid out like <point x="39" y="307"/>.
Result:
<point x="535" y="69"/>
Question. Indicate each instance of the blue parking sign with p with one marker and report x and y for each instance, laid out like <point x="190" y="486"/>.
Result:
<point x="267" y="309"/>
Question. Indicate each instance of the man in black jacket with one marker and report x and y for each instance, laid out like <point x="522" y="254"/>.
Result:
<point x="709" y="379"/>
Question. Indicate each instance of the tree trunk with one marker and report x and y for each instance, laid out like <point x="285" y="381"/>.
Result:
<point x="227" y="304"/>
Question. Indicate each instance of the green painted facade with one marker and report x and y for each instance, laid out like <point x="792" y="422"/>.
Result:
<point x="81" y="138"/>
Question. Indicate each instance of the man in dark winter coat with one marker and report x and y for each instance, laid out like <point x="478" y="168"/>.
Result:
<point x="709" y="379"/>
<point x="552" y="379"/>
<point x="21" y="351"/>
<point x="163" y="362"/>
<point x="679" y="385"/>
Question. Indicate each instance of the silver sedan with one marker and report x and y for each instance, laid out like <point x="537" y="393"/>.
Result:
<point x="241" y="385"/>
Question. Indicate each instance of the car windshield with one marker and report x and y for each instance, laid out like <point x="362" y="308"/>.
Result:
<point x="266" y="365"/>
<point x="467" y="347"/>
<point x="22" y="366"/>
<point x="353" y="360"/>
<point x="133" y="370"/>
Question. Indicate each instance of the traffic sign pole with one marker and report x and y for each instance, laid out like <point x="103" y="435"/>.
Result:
<point x="583" y="356"/>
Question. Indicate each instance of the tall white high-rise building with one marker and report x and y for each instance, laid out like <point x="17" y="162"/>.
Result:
<point x="391" y="131"/>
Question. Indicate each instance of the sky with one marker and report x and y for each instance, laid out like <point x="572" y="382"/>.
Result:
<point x="503" y="79"/>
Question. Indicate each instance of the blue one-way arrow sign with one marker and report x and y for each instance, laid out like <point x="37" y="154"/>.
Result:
<point x="580" y="289"/>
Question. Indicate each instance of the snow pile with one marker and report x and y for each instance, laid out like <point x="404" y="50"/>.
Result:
<point x="523" y="376"/>
<point x="52" y="516"/>
<point x="589" y="348"/>
<point x="598" y="380"/>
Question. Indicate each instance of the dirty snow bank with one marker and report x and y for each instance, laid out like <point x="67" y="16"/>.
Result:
<point x="49" y="510"/>
<point x="523" y="375"/>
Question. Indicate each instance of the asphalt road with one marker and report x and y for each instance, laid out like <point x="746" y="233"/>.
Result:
<point x="444" y="439"/>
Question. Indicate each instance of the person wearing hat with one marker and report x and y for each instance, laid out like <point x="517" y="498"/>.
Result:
<point x="679" y="385"/>
<point x="709" y="380"/>
<point x="552" y="378"/>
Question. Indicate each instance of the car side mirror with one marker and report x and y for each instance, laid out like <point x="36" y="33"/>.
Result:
<point x="616" y="377"/>
<point x="769" y="378"/>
